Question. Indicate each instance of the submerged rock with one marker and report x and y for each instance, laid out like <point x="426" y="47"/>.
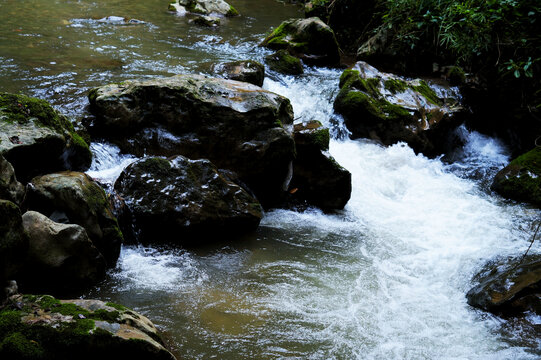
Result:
<point x="10" y="188"/>
<point x="310" y="39"/>
<point x="317" y="178"/>
<point x="13" y="241"/>
<point x="509" y="287"/>
<point x="238" y="126"/>
<point x="74" y="198"/>
<point x="36" y="139"/>
<point x="42" y="327"/>
<point x="204" y="7"/>
<point x="185" y="201"/>
<point x="388" y="108"/>
<point x="284" y="63"/>
<point x="61" y="257"/>
<point x="520" y="180"/>
<point x="244" y="70"/>
<point x="206" y="20"/>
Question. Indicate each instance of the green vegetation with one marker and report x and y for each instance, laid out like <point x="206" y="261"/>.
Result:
<point x="497" y="37"/>
<point x="428" y="93"/>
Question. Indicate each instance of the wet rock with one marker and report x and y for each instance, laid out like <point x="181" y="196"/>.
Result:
<point x="388" y="108"/>
<point x="244" y="70"/>
<point x="118" y="20"/>
<point x="74" y="198"/>
<point x="185" y="201"/>
<point x="10" y="188"/>
<point x="284" y="63"/>
<point x="317" y="178"/>
<point x="42" y="327"/>
<point x="509" y="287"/>
<point x="520" y="180"/>
<point x="36" y="139"/>
<point x="13" y="240"/>
<point x="310" y="39"/>
<point x="204" y="7"/>
<point x="205" y="20"/>
<point x="238" y="126"/>
<point x="61" y="257"/>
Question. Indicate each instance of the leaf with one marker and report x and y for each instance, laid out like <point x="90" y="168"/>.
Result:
<point x="517" y="73"/>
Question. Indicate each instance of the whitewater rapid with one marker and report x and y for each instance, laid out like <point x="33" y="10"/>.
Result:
<point x="383" y="279"/>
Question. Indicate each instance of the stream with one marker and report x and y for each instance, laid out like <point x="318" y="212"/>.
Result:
<point x="385" y="278"/>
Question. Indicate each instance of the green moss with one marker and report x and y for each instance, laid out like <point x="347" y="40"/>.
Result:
<point x="276" y="40"/>
<point x="117" y="306"/>
<point x="23" y="109"/>
<point x="428" y="93"/>
<point x="530" y="161"/>
<point x="18" y="346"/>
<point x="521" y="179"/>
<point x="10" y="321"/>
<point x="395" y="85"/>
<point x="284" y="63"/>
<point x="232" y="11"/>
<point x="321" y="138"/>
<point x="348" y="76"/>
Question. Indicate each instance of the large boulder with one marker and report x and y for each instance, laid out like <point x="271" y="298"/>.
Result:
<point x="521" y="179"/>
<point x="388" y="108"/>
<point x="36" y="139"/>
<point x="10" y="188"/>
<point x="61" y="257"/>
<point x="74" y="198"/>
<point x="204" y="7"/>
<point x="42" y="327"/>
<point x="509" y="287"/>
<point x="236" y="125"/>
<point x="317" y="178"/>
<point x="185" y="201"/>
<point x="13" y="241"/>
<point x="243" y="70"/>
<point x="310" y="39"/>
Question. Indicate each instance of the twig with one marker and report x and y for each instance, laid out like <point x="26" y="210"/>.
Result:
<point x="531" y="243"/>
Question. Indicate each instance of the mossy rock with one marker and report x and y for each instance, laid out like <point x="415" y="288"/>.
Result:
<point x="312" y="134"/>
<point x="37" y="139"/>
<point x="521" y="179"/>
<point x="310" y="39"/>
<point x="389" y="109"/>
<point x="42" y="327"/>
<point x="284" y="63"/>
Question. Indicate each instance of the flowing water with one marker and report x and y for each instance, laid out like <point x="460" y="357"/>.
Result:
<point x="383" y="279"/>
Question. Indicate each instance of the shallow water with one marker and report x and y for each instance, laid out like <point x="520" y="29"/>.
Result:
<point x="383" y="279"/>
